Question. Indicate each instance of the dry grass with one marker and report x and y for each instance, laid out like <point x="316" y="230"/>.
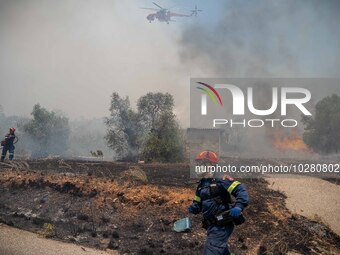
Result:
<point x="135" y="175"/>
<point x="48" y="230"/>
<point x="109" y="192"/>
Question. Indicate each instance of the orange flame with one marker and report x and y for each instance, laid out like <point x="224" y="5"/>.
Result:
<point x="289" y="141"/>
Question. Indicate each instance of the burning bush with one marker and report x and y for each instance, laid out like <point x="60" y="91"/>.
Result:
<point x="291" y="141"/>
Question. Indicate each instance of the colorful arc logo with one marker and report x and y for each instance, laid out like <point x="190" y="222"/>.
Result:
<point x="209" y="90"/>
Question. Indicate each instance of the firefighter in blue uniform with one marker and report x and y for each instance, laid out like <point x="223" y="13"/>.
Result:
<point x="213" y="199"/>
<point x="8" y="145"/>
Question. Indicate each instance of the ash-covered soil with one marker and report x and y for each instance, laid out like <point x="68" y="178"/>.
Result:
<point x="93" y="204"/>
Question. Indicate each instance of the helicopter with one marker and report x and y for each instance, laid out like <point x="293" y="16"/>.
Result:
<point x="165" y="15"/>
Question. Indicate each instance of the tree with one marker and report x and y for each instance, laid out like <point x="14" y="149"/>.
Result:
<point x="165" y="142"/>
<point x="162" y="140"/>
<point x="152" y="106"/>
<point x="48" y="131"/>
<point x="152" y="132"/>
<point x="122" y="133"/>
<point x="322" y="132"/>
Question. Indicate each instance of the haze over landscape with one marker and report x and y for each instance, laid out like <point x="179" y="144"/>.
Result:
<point x="122" y="133"/>
<point x="71" y="55"/>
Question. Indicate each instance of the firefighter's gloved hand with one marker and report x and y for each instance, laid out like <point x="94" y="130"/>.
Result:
<point x="235" y="212"/>
<point x="194" y="208"/>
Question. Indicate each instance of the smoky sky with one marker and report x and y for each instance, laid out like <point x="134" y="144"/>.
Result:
<point x="268" y="39"/>
<point x="71" y="55"/>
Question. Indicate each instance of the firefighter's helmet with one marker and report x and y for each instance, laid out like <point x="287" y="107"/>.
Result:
<point x="207" y="157"/>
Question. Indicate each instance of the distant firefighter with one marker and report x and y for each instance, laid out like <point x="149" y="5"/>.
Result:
<point x="8" y="144"/>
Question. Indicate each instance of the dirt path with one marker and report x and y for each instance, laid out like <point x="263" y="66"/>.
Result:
<point x="311" y="197"/>
<point x="18" y="242"/>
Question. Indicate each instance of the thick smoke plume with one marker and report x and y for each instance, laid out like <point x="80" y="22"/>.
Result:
<point x="267" y="39"/>
<point x="262" y="39"/>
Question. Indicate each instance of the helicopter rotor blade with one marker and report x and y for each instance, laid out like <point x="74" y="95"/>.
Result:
<point x="196" y="9"/>
<point x="145" y="8"/>
<point x="158" y="5"/>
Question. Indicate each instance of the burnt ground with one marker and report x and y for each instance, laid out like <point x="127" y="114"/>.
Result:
<point x="90" y="204"/>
